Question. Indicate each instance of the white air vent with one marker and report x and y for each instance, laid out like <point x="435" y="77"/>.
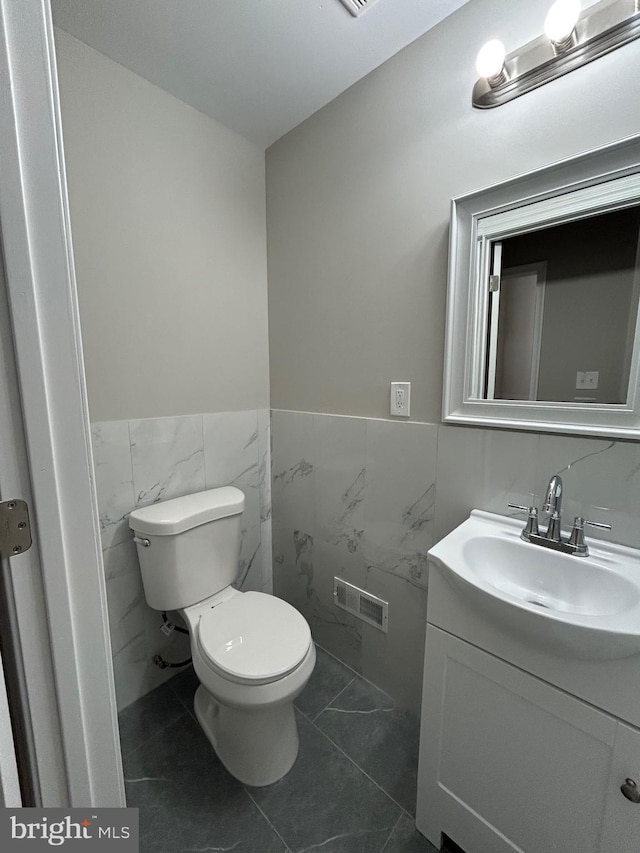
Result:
<point x="357" y="7"/>
<point x="374" y="611"/>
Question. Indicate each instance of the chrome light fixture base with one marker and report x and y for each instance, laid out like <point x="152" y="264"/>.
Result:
<point x="602" y="28"/>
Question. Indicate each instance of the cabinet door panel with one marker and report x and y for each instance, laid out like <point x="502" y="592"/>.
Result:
<point x="508" y="763"/>
<point x="622" y="818"/>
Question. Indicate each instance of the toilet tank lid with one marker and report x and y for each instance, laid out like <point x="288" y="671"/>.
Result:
<point x="166" y="518"/>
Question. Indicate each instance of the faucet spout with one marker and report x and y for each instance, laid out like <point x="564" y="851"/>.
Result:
<point x="553" y="505"/>
<point x="553" y="499"/>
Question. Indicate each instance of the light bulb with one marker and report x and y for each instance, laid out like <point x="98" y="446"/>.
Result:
<point x="561" y="20"/>
<point x="490" y="61"/>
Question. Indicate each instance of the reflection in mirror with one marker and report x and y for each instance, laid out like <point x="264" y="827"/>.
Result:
<point x="563" y="311"/>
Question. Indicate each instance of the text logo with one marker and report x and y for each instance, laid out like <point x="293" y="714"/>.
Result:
<point x="70" y="829"/>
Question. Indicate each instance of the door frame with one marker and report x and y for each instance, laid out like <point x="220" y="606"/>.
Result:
<point x="539" y="269"/>
<point x="44" y="316"/>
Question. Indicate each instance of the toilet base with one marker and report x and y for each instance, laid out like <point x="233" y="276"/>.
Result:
<point x="257" y="746"/>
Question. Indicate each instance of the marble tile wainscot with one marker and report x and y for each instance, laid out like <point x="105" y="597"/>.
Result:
<point x="355" y="497"/>
<point x="139" y="462"/>
<point x="365" y="499"/>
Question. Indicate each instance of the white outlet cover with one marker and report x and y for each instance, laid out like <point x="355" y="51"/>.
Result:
<point x="592" y="378"/>
<point x="400" y="399"/>
<point x="587" y="379"/>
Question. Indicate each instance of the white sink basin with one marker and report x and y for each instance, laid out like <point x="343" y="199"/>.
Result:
<point x="586" y="607"/>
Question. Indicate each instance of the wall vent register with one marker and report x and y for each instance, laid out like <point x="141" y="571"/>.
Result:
<point x="369" y="608"/>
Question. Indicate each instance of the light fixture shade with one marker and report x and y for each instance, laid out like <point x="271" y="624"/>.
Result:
<point x="561" y="20"/>
<point x="490" y="59"/>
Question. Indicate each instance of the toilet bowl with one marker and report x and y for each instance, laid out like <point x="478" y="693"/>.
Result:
<point x="252" y="652"/>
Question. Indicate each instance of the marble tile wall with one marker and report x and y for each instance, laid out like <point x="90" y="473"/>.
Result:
<point x="360" y="498"/>
<point x="355" y="497"/>
<point x="364" y="499"/>
<point x="140" y="462"/>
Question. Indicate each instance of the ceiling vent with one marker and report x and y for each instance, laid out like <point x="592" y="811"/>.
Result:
<point x="357" y="7"/>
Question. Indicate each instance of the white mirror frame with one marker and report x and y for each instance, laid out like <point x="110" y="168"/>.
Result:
<point x="601" y="180"/>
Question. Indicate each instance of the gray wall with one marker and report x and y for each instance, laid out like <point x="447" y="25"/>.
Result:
<point x="168" y="219"/>
<point x="358" y="205"/>
<point x="168" y="222"/>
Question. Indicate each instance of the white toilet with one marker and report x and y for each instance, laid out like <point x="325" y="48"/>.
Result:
<point x="252" y="652"/>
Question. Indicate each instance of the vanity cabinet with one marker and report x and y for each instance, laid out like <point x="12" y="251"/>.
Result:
<point x="509" y="762"/>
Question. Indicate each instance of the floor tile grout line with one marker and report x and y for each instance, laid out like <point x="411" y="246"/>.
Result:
<point x="393" y="829"/>
<point x="185" y="709"/>
<point x="191" y="712"/>
<point x="151" y="737"/>
<point x="333" y="657"/>
<point x="355" y="673"/>
<point x="364" y="773"/>
<point x="333" y="699"/>
<point x="188" y="707"/>
<point x="181" y="700"/>
<point x="357" y="766"/>
<point x="247" y="791"/>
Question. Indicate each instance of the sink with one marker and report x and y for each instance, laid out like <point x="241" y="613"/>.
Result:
<point x="556" y="582"/>
<point x="585" y="607"/>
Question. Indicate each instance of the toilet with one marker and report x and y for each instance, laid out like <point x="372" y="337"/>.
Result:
<point x="252" y="652"/>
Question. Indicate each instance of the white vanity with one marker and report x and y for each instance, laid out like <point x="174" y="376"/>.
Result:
<point x="531" y="699"/>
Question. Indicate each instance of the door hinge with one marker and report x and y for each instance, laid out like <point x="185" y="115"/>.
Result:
<point x="15" y="530"/>
<point x="494" y="283"/>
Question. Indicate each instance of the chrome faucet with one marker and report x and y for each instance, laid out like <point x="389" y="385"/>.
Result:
<point x="553" y="505"/>
<point x="575" y="544"/>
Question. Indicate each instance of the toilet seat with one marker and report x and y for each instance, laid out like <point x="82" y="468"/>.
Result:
<point x="253" y="638"/>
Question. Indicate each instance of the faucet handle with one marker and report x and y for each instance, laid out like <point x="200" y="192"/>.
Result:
<point x="532" y="520"/>
<point x="597" y="524"/>
<point x="579" y="523"/>
<point x="577" y="534"/>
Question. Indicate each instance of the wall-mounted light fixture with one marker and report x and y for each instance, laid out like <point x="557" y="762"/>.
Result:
<point x="572" y="38"/>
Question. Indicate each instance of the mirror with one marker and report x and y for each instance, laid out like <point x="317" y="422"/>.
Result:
<point x="544" y="292"/>
<point x="563" y="311"/>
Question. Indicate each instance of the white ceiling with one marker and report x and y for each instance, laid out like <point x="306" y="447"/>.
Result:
<point x="258" y="66"/>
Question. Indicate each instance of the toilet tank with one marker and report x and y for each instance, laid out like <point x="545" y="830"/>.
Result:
<point x="194" y="546"/>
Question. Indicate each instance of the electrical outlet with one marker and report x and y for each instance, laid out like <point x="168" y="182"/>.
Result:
<point x="587" y="379"/>
<point x="591" y="378"/>
<point x="400" y="402"/>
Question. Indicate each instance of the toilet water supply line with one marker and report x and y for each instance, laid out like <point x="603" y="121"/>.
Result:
<point x="168" y="628"/>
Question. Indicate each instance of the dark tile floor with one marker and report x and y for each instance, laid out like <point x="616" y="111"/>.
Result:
<point x="351" y="790"/>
